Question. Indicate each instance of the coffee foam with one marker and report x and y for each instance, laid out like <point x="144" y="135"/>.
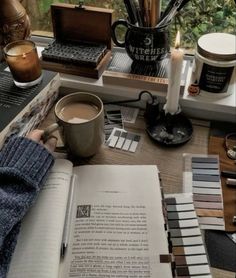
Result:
<point x="78" y="112"/>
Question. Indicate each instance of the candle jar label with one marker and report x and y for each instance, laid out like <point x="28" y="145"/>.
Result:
<point x="215" y="79"/>
<point x="23" y="61"/>
<point x="214" y="68"/>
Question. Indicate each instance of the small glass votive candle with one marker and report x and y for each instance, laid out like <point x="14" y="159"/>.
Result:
<point x="23" y="61"/>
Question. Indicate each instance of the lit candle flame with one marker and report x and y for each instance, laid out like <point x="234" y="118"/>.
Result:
<point x="177" y="40"/>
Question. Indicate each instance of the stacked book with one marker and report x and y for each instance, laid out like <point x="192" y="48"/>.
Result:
<point x="23" y="109"/>
<point x="122" y="71"/>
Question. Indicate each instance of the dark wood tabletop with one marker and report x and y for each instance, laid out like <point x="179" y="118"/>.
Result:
<point x="169" y="160"/>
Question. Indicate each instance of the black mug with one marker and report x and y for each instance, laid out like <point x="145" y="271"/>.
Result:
<point x="143" y="44"/>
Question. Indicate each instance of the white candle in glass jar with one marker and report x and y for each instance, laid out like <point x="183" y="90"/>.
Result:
<point x="175" y="71"/>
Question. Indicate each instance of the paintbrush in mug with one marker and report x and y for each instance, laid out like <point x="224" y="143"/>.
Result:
<point x="170" y="12"/>
<point x="155" y="12"/>
<point x="138" y="11"/>
<point x="131" y="11"/>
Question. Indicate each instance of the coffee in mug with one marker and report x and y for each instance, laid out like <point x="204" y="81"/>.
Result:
<point x="78" y="112"/>
<point x="80" y="117"/>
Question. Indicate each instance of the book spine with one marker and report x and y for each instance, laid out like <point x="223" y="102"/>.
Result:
<point x="33" y="113"/>
<point x="135" y="81"/>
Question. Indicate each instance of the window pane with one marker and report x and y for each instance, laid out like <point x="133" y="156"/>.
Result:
<point x="196" y="18"/>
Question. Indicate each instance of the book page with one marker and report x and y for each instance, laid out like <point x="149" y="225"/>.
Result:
<point x="118" y="226"/>
<point x="37" y="253"/>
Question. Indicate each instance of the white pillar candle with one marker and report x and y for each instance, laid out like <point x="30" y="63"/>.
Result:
<point x="176" y="62"/>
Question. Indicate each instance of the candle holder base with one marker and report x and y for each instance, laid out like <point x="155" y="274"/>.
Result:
<point x="25" y="85"/>
<point x="171" y="130"/>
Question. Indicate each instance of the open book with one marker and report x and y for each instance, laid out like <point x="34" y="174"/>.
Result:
<point x="117" y="225"/>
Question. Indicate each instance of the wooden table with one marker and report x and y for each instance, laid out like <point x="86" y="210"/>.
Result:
<point x="168" y="160"/>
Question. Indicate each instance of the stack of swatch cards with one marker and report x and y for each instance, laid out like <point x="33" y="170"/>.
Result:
<point x="116" y="136"/>
<point x="202" y="178"/>
<point x="185" y="239"/>
<point x="123" y="140"/>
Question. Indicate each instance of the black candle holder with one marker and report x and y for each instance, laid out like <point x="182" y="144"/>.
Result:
<point x="171" y="130"/>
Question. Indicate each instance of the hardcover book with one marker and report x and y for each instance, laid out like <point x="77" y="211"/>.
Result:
<point x="122" y="71"/>
<point x="23" y="109"/>
<point x="115" y="227"/>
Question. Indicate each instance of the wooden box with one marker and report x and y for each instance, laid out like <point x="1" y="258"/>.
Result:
<point x="72" y="23"/>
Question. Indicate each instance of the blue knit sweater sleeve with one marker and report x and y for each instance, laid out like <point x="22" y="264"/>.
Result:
<point x="24" y="165"/>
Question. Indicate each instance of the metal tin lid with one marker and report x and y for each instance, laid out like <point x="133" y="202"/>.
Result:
<point x="217" y="46"/>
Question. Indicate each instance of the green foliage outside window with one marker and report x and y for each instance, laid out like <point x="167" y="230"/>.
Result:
<point x="200" y="17"/>
<point x="195" y="19"/>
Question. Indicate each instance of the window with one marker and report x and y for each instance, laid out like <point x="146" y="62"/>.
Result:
<point x="196" y="18"/>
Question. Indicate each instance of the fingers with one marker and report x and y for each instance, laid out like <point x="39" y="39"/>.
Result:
<point x="35" y="135"/>
<point x="48" y="131"/>
<point x="51" y="143"/>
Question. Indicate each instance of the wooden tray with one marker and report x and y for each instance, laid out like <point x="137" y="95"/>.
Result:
<point x="216" y="146"/>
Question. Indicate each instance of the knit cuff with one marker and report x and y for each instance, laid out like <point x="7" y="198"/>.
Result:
<point x="25" y="159"/>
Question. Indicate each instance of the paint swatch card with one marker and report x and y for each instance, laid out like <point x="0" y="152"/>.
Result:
<point x="112" y="119"/>
<point x="202" y="179"/>
<point x="129" y="114"/>
<point x="123" y="140"/>
<point x="185" y="237"/>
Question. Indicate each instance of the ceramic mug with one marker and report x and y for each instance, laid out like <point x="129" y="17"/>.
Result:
<point x="80" y="118"/>
<point x="143" y="44"/>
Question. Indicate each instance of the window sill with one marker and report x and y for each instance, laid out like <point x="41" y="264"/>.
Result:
<point x="210" y="107"/>
<point x="201" y="106"/>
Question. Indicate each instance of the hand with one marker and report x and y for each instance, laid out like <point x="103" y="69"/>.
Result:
<point x="36" y="135"/>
